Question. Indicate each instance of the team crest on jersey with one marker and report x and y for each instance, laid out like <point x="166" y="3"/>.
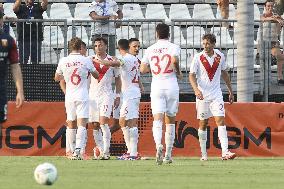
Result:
<point x="4" y="42"/>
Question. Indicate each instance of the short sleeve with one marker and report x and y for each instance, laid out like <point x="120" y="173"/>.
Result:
<point x="92" y="7"/>
<point x="59" y="67"/>
<point x="115" y="6"/>
<point x="194" y="64"/>
<point x="145" y="59"/>
<point x="13" y="55"/>
<point x="90" y="66"/>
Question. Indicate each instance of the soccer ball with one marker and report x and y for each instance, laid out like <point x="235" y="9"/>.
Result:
<point x="45" y="174"/>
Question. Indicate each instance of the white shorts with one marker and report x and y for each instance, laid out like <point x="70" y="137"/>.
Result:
<point x="165" y="101"/>
<point x="99" y="107"/>
<point x="76" y="110"/>
<point x="94" y="114"/>
<point x="130" y="108"/>
<point x="207" y="109"/>
<point x="116" y="111"/>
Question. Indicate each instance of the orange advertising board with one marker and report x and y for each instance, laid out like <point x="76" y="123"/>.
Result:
<point x="254" y="129"/>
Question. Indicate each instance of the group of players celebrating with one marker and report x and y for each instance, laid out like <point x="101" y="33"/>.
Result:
<point x="90" y="97"/>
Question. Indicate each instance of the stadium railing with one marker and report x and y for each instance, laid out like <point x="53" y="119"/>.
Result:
<point x="186" y="33"/>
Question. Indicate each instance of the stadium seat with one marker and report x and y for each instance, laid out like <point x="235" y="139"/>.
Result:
<point x="179" y="11"/>
<point x="11" y="32"/>
<point x="53" y="36"/>
<point x="223" y="38"/>
<point x="44" y="15"/>
<point x="232" y="58"/>
<point x="80" y="31"/>
<point x="194" y="35"/>
<point x="156" y="11"/>
<point x="60" y="11"/>
<point x="256" y="12"/>
<point x="82" y="11"/>
<point x="178" y="36"/>
<point x="132" y="12"/>
<point x="48" y="56"/>
<point x="125" y="32"/>
<point x="186" y="57"/>
<point x="203" y="11"/>
<point x="8" y="10"/>
<point x="147" y="35"/>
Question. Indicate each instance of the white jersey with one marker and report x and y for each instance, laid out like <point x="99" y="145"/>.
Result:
<point x="130" y="75"/>
<point x="208" y="73"/>
<point x="159" y="56"/>
<point x="75" y="69"/>
<point x="103" y="85"/>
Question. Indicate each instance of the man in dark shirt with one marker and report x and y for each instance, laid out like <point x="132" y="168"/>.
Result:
<point x="8" y="56"/>
<point x="30" y="34"/>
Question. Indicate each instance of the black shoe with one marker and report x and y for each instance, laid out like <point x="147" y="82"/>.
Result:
<point x="280" y="81"/>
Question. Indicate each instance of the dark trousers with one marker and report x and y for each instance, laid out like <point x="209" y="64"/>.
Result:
<point x="30" y="49"/>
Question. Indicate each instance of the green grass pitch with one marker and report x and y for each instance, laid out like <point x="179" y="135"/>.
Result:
<point x="256" y="173"/>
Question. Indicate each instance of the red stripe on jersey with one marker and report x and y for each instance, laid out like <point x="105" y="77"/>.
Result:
<point x="210" y="70"/>
<point x="102" y="69"/>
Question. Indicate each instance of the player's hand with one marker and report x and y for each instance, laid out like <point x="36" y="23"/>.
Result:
<point x="179" y="76"/>
<point x="116" y="102"/>
<point x="19" y="100"/>
<point x="231" y="98"/>
<point x="198" y="94"/>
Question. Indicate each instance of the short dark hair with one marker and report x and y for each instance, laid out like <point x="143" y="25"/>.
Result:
<point x="75" y="43"/>
<point x="83" y="44"/>
<point x="123" y="44"/>
<point x="132" y="40"/>
<point x="163" y="31"/>
<point x="268" y="1"/>
<point x="210" y="37"/>
<point x="104" y="40"/>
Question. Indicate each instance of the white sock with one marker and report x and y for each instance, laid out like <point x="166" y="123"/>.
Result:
<point x="222" y="135"/>
<point x="202" y="141"/>
<point x="125" y="131"/>
<point x="106" y="138"/>
<point x="133" y="134"/>
<point x="98" y="138"/>
<point x="70" y="139"/>
<point x="169" y="139"/>
<point x="81" y="138"/>
<point x="157" y="132"/>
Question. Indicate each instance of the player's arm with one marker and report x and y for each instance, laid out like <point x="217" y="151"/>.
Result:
<point x="95" y="16"/>
<point x="141" y="86"/>
<point x="17" y="5"/>
<point x="18" y="79"/>
<point x="117" y="91"/>
<point x="95" y="74"/>
<point x="62" y="84"/>
<point x="227" y="80"/>
<point x="193" y="82"/>
<point x="112" y="63"/>
<point x="175" y="61"/>
<point x="144" y="68"/>
<point x="58" y="77"/>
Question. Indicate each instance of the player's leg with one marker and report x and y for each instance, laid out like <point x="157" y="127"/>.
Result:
<point x="158" y="105"/>
<point x="172" y="102"/>
<point x="125" y="129"/>
<point x="105" y="112"/>
<point x="218" y="110"/>
<point x="82" y="112"/>
<point x="131" y="117"/>
<point x="71" y="128"/>
<point x="116" y="116"/>
<point x="94" y="118"/>
<point x="203" y="114"/>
